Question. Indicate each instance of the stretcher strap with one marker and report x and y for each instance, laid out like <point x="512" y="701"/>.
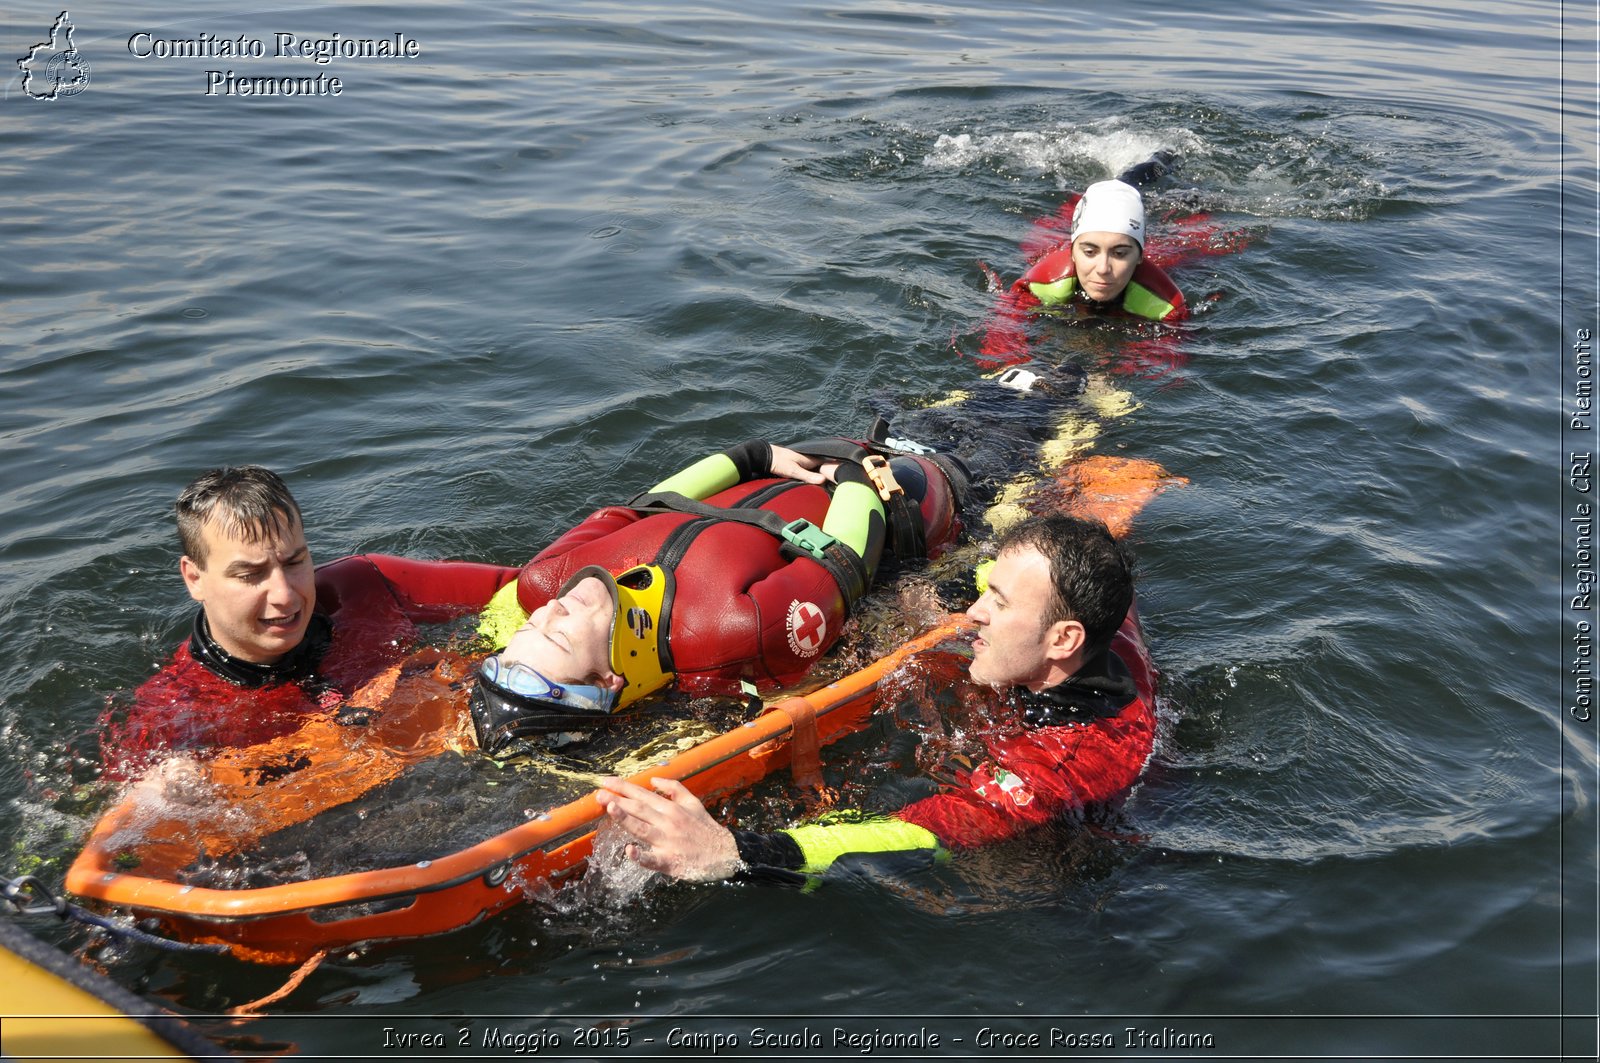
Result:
<point x="805" y="747"/>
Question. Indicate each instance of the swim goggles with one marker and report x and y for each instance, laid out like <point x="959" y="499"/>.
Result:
<point x="521" y="679"/>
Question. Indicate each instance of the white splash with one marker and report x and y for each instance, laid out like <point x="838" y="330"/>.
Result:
<point x="1108" y="143"/>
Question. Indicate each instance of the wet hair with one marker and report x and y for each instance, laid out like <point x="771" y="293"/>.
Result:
<point x="1091" y="573"/>
<point x="247" y="501"/>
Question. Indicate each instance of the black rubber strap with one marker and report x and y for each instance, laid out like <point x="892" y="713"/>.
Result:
<point x="847" y="569"/>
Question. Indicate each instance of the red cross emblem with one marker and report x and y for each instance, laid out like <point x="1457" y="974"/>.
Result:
<point x="808" y="629"/>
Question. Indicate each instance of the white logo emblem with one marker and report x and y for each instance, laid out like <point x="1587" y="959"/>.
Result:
<point x="808" y="629"/>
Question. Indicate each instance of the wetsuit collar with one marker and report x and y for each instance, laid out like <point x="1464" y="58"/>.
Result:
<point x="298" y="663"/>
<point x="1101" y="307"/>
<point x="1102" y="687"/>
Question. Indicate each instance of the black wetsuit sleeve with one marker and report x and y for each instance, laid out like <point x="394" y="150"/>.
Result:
<point x="776" y="850"/>
<point x="849" y="472"/>
<point x="753" y="459"/>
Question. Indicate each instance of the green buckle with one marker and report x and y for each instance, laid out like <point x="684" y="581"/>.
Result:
<point x="807" y="538"/>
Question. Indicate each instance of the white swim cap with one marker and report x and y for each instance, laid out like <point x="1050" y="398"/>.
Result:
<point x="1110" y="207"/>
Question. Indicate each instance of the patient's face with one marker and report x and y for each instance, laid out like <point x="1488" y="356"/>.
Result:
<point x="568" y="639"/>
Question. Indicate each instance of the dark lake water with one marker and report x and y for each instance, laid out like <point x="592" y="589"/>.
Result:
<point x="571" y="246"/>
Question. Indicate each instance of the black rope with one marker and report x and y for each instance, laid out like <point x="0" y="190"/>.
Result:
<point x="45" y="902"/>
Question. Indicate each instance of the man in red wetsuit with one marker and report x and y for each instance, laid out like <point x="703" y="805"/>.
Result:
<point x="1077" y="732"/>
<point x="275" y="639"/>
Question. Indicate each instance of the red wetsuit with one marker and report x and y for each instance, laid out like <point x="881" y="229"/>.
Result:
<point x="741" y="608"/>
<point x="367" y="610"/>
<point x="1092" y="739"/>
<point x="1078" y="745"/>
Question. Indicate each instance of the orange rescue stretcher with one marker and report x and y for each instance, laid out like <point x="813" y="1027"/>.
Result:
<point x="297" y="777"/>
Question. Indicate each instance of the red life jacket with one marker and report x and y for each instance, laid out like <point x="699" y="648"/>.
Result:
<point x="740" y="608"/>
<point x="1150" y="293"/>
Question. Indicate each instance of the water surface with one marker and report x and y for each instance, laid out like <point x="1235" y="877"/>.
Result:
<point x="570" y="247"/>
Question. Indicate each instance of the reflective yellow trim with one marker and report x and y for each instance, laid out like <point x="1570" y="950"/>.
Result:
<point x="955" y="398"/>
<point x="1056" y="292"/>
<point x="1073" y="436"/>
<point x="1108" y="400"/>
<point x="1137" y="299"/>
<point x="823" y="843"/>
<point x="980" y="575"/>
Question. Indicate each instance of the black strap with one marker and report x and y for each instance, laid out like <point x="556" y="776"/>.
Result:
<point x="673" y="502"/>
<point x="907" y="536"/>
<point x="834" y="447"/>
<point x="848" y="570"/>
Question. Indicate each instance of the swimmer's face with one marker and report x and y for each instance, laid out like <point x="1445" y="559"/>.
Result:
<point x="258" y="593"/>
<point x="1104" y="263"/>
<point x="1015" y="647"/>
<point x="568" y="639"/>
